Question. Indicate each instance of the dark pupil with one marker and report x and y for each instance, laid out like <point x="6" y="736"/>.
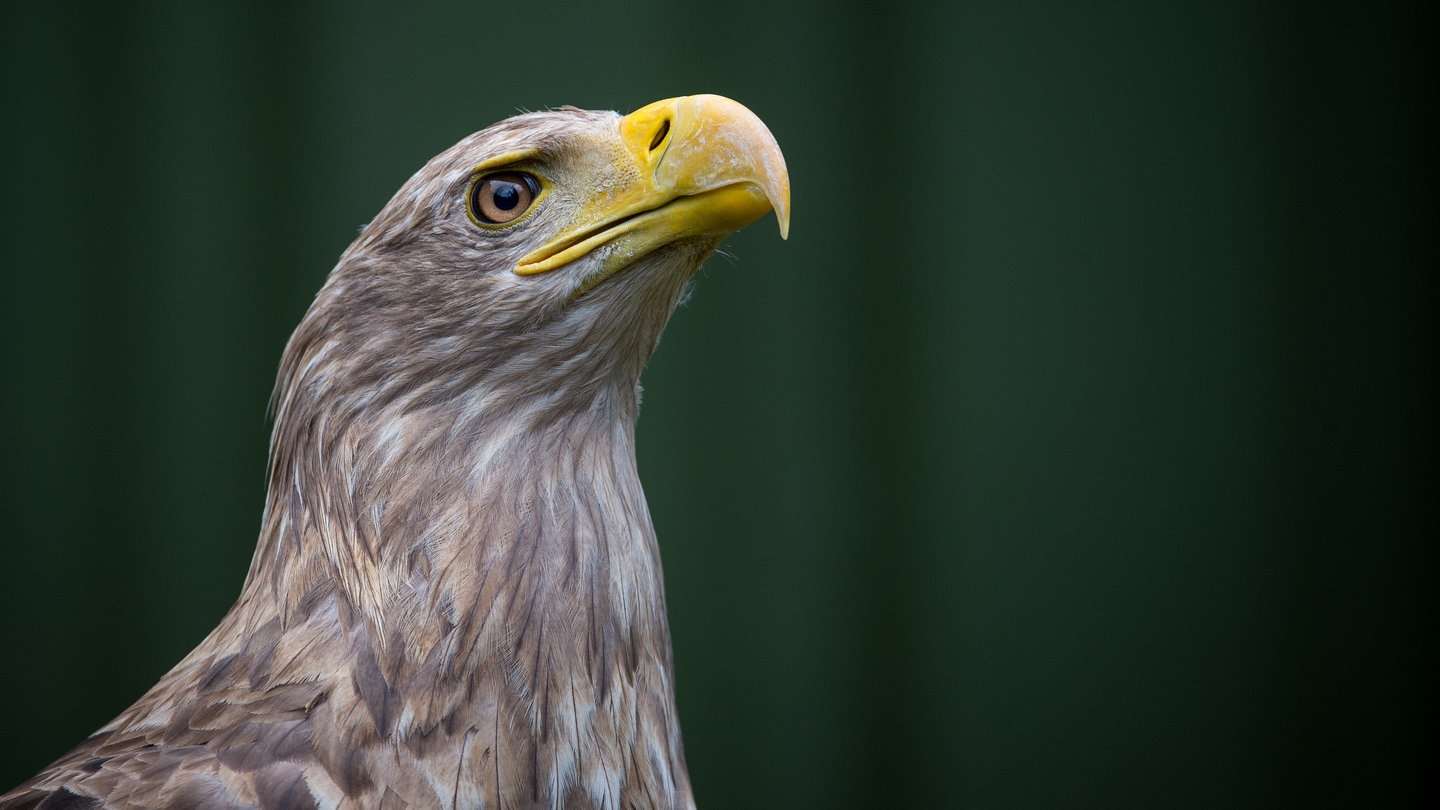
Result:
<point x="506" y="197"/>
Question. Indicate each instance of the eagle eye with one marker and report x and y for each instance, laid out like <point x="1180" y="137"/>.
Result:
<point x="496" y="199"/>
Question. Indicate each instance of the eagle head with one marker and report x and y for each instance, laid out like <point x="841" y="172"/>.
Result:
<point x="543" y="255"/>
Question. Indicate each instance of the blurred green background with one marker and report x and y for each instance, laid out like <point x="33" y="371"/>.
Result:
<point x="1072" y="452"/>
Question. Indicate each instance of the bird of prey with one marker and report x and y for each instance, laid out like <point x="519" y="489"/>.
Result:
<point x="456" y="598"/>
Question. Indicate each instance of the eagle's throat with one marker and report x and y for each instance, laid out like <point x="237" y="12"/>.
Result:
<point x="495" y="574"/>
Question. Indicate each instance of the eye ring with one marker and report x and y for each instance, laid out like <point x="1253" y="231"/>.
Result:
<point x="502" y="197"/>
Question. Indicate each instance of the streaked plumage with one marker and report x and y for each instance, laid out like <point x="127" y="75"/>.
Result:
<point x="456" y="597"/>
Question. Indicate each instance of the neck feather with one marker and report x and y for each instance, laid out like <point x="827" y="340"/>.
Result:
<point x="485" y="573"/>
<point x="466" y="538"/>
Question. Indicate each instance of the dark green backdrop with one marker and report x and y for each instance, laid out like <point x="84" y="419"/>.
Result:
<point x="1071" y="453"/>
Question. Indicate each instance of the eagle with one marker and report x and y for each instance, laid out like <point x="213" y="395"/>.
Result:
<point x="456" y="597"/>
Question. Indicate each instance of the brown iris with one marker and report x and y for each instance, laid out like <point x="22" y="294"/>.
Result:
<point x="496" y="199"/>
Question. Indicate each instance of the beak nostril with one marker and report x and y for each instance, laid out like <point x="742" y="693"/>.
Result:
<point x="660" y="133"/>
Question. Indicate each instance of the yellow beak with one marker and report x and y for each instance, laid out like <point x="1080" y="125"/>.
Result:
<point x="703" y="166"/>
